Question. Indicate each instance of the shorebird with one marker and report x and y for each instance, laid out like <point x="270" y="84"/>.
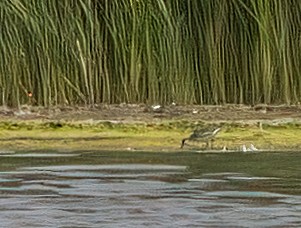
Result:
<point x="202" y="135"/>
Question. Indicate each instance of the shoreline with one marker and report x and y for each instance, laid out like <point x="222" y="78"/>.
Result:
<point x="157" y="136"/>
<point x="139" y="128"/>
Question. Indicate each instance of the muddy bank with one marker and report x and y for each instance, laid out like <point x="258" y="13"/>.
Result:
<point x="151" y="113"/>
<point x="151" y="128"/>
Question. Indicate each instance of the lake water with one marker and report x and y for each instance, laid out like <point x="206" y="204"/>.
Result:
<point x="140" y="189"/>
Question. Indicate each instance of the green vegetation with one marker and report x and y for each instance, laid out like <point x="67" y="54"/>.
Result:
<point x="164" y="136"/>
<point x="86" y="52"/>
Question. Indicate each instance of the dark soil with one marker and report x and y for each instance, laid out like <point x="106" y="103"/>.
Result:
<point x="145" y="113"/>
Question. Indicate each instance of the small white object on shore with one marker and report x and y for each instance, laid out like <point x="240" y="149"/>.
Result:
<point x="244" y="148"/>
<point x="224" y="149"/>
<point x="155" y="107"/>
<point x="253" y="148"/>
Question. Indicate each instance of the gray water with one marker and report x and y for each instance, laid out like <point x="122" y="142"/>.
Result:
<point x="126" y="189"/>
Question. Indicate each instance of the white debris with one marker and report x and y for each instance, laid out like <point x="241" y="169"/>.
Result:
<point x="253" y="148"/>
<point x="250" y="149"/>
<point x="22" y="113"/>
<point x="244" y="148"/>
<point x="264" y="111"/>
<point x="195" y="111"/>
<point x="224" y="149"/>
<point x="156" y="107"/>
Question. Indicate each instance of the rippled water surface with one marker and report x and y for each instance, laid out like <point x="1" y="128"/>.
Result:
<point x="133" y="189"/>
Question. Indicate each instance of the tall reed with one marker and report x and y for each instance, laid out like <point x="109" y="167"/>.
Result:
<point x="85" y="52"/>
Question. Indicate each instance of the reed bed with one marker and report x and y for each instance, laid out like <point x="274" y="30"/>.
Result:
<point x="86" y="52"/>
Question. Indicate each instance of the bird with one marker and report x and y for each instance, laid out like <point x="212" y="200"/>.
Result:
<point x="204" y="135"/>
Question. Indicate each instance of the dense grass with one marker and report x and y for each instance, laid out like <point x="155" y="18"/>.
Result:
<point x="164" y="136"/>
<point x="84" y="52"/>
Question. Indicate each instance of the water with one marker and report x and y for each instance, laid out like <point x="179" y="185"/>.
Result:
<point x="126" y="189"/>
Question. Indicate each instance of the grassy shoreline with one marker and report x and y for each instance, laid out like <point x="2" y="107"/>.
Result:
<point x="161" y="136"/>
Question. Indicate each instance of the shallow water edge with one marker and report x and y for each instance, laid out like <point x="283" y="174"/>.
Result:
<point x="143" y="189"/>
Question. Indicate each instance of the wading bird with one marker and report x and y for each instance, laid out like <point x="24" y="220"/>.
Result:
<point x="202" y="135"/>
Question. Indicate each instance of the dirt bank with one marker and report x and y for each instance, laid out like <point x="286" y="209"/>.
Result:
<point x="148" y="113"/>
<point x="153" y="128"/>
